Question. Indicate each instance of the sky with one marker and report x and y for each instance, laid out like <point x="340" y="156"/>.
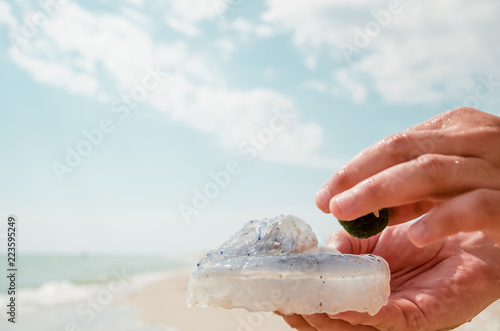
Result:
<point x="139" y="127"/>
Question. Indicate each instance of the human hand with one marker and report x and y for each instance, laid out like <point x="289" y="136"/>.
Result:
<point x="448" y="167"/>
<point x="437" y="287"/>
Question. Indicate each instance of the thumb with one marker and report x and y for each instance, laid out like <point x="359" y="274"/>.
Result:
<point x="347" y="244"/>
<point x="341" y="241"/>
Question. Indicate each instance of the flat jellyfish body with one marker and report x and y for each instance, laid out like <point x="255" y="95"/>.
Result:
<point x="276" y="265"/>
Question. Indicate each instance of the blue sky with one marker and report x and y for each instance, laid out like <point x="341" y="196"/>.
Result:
<point x="172" y="93"/>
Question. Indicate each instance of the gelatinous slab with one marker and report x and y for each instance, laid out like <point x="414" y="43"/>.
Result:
<point x="276" y="265"/>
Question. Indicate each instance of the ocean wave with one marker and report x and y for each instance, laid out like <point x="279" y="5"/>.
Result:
<point x="63" y="292"/>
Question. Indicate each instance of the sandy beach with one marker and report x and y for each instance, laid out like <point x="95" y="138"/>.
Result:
<point x="488" y="320"/>
<point x="163" y="303"/>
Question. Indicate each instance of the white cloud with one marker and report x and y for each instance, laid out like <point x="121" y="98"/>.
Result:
<point x="172" y="54"/>
<point x="6" y="16"/>
<point x="241" y="25"/>
<point x="421" y="55"/>
<point x="193" y="10"/>
<point x="263" y="30"/>
<point x="247" y="28"/>
<point x="57" y="74"/>
<point x="100" y="55"/>
<point x="357" y="90"/>
<point x="96" y="42"/>
<point x="234" y="115"/>
<point x="226" y="47"/>
<point x="311" y="22"/>
<point x="310" y="62"/>
<point x="137" y="3"/>
<point x="137" y="16"/>
<point x="315" y="85"/>
<point x="183" y="16"/>
<point x="183" y="27"/>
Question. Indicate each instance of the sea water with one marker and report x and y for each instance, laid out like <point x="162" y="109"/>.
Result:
<point x="78" y="293"/>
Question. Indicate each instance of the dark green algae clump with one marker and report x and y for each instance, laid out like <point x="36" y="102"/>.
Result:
<point x="367" y="226"/>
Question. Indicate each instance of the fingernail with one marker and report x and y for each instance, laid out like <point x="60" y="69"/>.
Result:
<point x="344" y="201"/>
<point x="323" y="197"/>
<point x="418" y="232"/>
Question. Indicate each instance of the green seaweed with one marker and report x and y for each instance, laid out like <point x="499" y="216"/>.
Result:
<point x="367" y="226"/>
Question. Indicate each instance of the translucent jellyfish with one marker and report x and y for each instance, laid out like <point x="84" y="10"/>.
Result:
<point x="275" y="264"/>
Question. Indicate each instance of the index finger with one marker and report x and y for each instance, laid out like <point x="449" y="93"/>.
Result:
<point x="431" y="176"/>
<point x="395" y="149"/>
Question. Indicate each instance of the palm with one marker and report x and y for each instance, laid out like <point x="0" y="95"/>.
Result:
<point x="440" y="286"/>
<point x="426" y="284"/>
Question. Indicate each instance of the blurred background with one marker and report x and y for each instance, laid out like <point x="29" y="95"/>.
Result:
<point x="137" y="134"/>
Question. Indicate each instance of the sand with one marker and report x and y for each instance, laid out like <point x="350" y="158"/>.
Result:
<point x="488" y="320"/>
<point x="163" y="303"/>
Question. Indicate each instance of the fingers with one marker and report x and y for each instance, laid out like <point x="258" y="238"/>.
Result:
<point x="323" y="322"/>
<point x="356" y="318"/>
<point x="398" y="314"/>
<point x="298" y="322"/>
<point x="395" y="149"/>
<point x="457" y="119"/>
<point x="443" y="120"/>
<point x="409" y="212"/>
<point x="464" y="132"/>
<point x="347" y="244"/>
<point x="478" y="210"/>
<point x="342" y="241"/>
<point x="430" y="175"/>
